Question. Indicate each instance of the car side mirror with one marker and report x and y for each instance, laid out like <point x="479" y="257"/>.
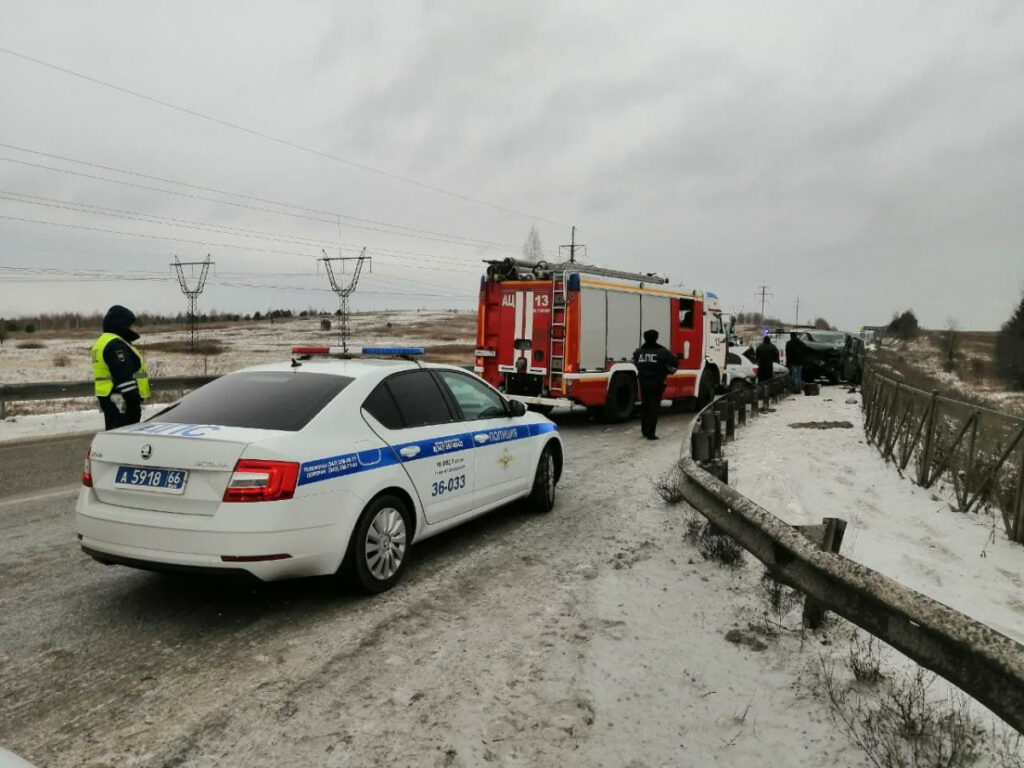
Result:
<point x="516" y="408"/>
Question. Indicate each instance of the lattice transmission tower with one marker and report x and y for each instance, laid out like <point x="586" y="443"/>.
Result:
<point x="344" y="291"/>
<point x="192" y="291"/>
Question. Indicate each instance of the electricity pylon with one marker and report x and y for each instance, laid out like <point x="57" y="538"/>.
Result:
<point x="344" y="291"/>
<point x="192" y="292"/>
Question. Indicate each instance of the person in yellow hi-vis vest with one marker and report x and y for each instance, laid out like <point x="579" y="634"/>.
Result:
<point x="119" y="369"/>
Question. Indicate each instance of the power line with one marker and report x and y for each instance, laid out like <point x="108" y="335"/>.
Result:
<point x="354" y="221"/>
<point x="428" y="235"/>
<point x="271" y="137"/>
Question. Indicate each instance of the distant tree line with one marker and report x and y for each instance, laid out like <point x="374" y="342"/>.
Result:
<point x="755" y="318"/>
<point x="903" y="325"/>
<point x="1010" y="348"/>
<point x="69" y="321"/>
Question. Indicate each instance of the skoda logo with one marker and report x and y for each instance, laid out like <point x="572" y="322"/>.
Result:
<point x="147" y="451"/>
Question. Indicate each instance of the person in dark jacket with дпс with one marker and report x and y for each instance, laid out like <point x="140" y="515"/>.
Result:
<point x="118" y="369"/>
<point x="653" y="364"/>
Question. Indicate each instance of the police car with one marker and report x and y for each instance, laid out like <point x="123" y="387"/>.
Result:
<point x="316" y="467"/>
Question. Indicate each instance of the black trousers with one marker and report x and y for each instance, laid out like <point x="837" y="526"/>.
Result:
<point x="650" y="405"/>
<point x="112" y="416"/>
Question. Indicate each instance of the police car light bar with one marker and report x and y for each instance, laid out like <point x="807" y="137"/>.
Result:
<point x="358" y="351"/>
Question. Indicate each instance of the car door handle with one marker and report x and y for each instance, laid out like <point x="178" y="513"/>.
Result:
<point x="409" y="451"/>
<point x="481" y="438"/>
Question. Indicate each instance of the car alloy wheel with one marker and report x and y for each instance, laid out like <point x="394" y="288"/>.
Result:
<point x="384" y="547"/>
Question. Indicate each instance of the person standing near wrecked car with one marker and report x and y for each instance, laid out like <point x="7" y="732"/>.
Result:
<point x="653" y="365"/>
<point x="767" y="357"/>
<point x="118" y="369"/>
<point x="795" y="360"/>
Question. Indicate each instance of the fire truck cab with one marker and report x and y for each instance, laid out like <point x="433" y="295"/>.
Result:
<point x="564" y="334"/>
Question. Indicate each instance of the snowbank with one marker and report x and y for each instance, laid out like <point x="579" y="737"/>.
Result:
<point x="910" y="534"/>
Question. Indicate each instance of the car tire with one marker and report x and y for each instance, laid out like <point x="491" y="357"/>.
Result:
<point x="620" y="399"/>
<point x="542" y="496"/>
<point x="379" y="546"/>
<point x="705" y="390"/>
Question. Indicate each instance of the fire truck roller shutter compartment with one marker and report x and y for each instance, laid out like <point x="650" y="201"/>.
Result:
<point x="624" y="332"/>
<point x="656" y="313"/>
<point x="593" y="329"/>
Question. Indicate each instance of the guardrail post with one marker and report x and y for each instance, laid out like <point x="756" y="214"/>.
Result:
<point x="730" y="420"/>
<point x="1018" y="522"/>
<point x="717" y="435"/>
<point x="828" y="537"/>
<point x="717" y="468"/>
<point x="700" y="446"/>
<point x="741" y="413"/>
<point x="929" y="437"/>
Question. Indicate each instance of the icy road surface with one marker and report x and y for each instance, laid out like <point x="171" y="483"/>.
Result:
<point x="589" y="637"/>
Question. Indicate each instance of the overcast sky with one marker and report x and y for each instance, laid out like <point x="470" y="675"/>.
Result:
<point x="867" y="157"/>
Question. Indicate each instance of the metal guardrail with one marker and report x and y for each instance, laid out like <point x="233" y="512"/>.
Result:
<point x="976" y="658"/>
<point x="980" y="452"/>
<point x="56" y="390"/>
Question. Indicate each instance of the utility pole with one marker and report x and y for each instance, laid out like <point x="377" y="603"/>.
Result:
<point x="344" y="291"/>
<point x="572" y="248"/>
<point x="797" y="321"/>
<point x="192" y="292"/>
<point x="763" y="293"/>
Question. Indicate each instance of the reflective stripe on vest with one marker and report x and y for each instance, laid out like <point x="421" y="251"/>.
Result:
<point x="101" y="371"/>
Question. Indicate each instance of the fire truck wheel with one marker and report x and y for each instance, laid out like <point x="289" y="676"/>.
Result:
<point x="621" y="397"/>
<point x="542" y="497"/>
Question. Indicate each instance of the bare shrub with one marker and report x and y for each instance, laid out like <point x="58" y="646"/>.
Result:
<point x="61" y="361"/>
<point x="694" y="524"/>
<point x="781" y="598"/>
<point x="714" y="545"/>
<point x="30" y="345"/>
<point x="667" y="486"/>
<point x="902" y="724"/>
<point x="865" y="659"/>
<point x="711" y="542"/>
<point x="1007" y="748"/>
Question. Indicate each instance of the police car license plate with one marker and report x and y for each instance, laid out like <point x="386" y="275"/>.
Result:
<point x="151" y="479"/>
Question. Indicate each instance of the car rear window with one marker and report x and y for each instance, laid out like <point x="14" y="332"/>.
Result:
<point x="284" y="400"/>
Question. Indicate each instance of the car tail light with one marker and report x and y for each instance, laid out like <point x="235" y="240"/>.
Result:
<point x="755" y="370"/>
<point x="87" y="472"/>
<point x="259" y="480"/>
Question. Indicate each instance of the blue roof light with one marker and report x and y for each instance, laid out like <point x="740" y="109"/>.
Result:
<point x="392" y="351"/>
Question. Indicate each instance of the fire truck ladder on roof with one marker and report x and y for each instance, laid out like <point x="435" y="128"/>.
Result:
<point x="556" y="364"/>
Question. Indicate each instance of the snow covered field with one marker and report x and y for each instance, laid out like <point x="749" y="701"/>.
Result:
<point x="66" y="358"/>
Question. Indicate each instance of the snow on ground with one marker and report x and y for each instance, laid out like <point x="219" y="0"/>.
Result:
<point x="66" y="358"/>
<point x="902" y="530"/>
<point x="50" y="424"/>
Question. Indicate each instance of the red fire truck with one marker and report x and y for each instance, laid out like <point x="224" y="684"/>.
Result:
<point x="564" y="334"/>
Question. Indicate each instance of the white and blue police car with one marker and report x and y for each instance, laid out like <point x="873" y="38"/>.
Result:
<point x="310" y="468"/>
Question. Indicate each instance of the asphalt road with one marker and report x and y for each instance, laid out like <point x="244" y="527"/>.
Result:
<point x="107" y="666"/>
<point x="31" y="465"/>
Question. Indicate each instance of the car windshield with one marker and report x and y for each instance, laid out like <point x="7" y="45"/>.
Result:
<point x="284" y="400"/>
<point x="827" y="337"/>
